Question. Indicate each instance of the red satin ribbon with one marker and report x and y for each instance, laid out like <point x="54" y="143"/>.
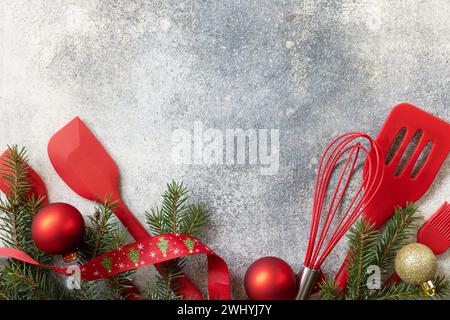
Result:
<point x="148" y="251"/>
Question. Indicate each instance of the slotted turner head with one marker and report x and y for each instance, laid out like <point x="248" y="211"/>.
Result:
<point x="82" y="162"/>
<point x="415" y="144"/>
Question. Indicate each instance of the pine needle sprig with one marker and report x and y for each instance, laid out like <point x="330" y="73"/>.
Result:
<point x="120" y="283"/>
<point x="17" y="209"/>
<point x="155" y="220"/>
<point x="177" y="216"/>
<point x="174" y="207"/>
<point x="166" y="286"/>
<point x="14" y="172"/>
<point x="103" y="234"/>
<point x="405" y="291"/>
<point x="397" y="291"/>
<point x="442" y="287"/>
<point x="378" y="248"/>
<point x="14" y="218"/>
<point x="361" y="241"/>
<point x="193" y="222"/>
<point x="329" y="290"/>
<point x="26" y="282"/>
<point x="395" y="234"/>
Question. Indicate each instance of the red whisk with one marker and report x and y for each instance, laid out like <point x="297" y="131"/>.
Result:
<point x="343" y="153"/>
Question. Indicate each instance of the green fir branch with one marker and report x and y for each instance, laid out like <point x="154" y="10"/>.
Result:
<point x="174" y="207"/>
<point x="166" y="286"/>
<point x="102" y="231"/>
<point x="15" y="173"/>
<point x="154" y="220"/>
<point x="193" y="222"/>
<point x="175" y="215"/>
<point x="369" y="247"/>
<point x="361" y="240"/>
<point x="329" y="290"/>
<point x="103" y="234"/>
<point x="17" y="209"/>
<point x="395" y="234"/>
<point x="27" y="282"/>
<point x="405" y="291"/>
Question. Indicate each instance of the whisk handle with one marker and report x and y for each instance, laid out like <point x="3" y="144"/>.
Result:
<point x="307" y="279"/>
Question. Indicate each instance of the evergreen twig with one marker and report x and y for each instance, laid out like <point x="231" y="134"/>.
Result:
<point x="405" y="291"/>
<point x="166" y="285"/>
<point x="104" y="234"/>
<point x="369" y="247"/>
<point x="175" y="215"/>
<point x="329" y="290"/>
<point x="20" y="280"/>
<point x="361" y="241"/>
<point x="395" y="234"/>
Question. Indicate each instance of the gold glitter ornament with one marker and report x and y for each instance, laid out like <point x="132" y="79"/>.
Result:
<point x="415" y="263"/>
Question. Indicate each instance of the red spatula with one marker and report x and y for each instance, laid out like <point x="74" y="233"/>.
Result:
<point x="85" y="166"/>
<point x="406" y="179"/>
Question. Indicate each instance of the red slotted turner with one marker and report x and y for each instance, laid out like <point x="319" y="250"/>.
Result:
<point x="85" y="166"/>
<point x="406" y="179"/>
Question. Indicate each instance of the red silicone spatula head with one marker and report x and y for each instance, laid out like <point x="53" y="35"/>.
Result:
<point x="82" y="162"/>
<point x="85" y="166"/>
<point x="435" y="232"/>
<point x="415" y="144"/>
<point x="37" y="185"/>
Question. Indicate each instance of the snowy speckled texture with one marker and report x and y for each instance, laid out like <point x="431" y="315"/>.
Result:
<point x="135" y="70"/>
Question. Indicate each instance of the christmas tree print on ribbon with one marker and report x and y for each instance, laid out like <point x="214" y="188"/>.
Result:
<point x="106" y="263"/>
<point x="189" y="243"/>
<point x="133" y="254"/>
<point x="162" y="245"/>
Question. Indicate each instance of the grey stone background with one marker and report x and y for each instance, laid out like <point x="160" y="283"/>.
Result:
<point x="136" y="70"/>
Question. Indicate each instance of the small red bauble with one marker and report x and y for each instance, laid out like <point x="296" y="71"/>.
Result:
<point x="58" y="228"/>
<point x="270" y="278"/>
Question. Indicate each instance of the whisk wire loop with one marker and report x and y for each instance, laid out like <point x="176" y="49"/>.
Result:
<point x="346" y="146"/>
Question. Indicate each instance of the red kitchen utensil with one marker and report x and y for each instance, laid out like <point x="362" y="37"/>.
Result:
<point x="85" y="166"/>
<point x="37" y="185"/>
<point x="408" y="175"/>
<point x="332" y="216"/>
<point x="435" y="232"/>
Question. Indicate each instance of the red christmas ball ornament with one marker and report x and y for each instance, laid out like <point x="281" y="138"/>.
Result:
<point x="270" y="278"/>
<point x="58" y="228"/>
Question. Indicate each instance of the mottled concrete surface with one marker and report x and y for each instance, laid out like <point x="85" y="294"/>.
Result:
<point x="135" y="70"/>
